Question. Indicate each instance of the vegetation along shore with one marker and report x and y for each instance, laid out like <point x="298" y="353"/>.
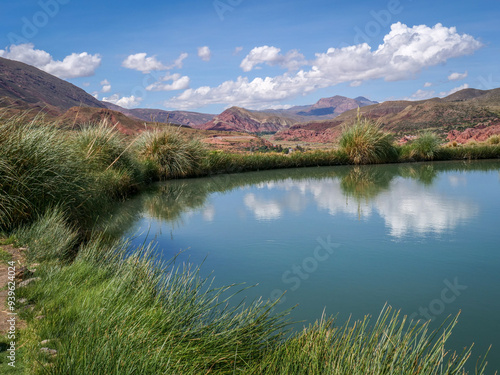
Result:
<point x="94" y="305"/>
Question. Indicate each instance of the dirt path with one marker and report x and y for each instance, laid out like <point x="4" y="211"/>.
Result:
<point x="4" y="280"/>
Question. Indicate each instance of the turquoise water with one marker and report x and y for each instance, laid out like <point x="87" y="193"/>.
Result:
<point x="422" y="238"/>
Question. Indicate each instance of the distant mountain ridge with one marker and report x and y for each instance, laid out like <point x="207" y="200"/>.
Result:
<point x="464" y="109"/>
<point x="240" y="119"/>
<point x="159" y="115"/>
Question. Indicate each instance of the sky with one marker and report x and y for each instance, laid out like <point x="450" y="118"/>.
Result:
<point x="208" y="55"/>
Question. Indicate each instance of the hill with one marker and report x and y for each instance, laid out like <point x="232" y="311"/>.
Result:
<point x="270" y="121"/>
<point x="30" y="87"/>
<point x="243" y="120"/>
<point x="469" y="108"/>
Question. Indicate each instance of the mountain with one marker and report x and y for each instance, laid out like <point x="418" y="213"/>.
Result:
<point x="324" y="109"/>
<point x="243" y="120"/>
<point x="469" y="108"/>
<point x="77" y="117"/>
<point x="31" y="87"/>
<point x="159" y="115"/>
<point x="269" y="121"/>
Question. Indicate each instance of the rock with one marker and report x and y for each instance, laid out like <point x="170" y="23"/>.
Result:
<point x="45" y="342"/>
<point x="27" y="282"/>
<point x="479" y="134"/>
<point x="49" y="351"/>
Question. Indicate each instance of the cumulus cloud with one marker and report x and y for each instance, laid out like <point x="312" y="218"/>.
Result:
<point x="427" y="84"/>
<point x="204" y="53"/>
<point x="454" y="90"/>
<point x="293" y="60"/>
<point x="72" y="66"/>
<point x="106" y="86"/>
<point x="237" y="50"/>
<point x="405" y="52"/>
<point x="145" y="64"/>
<point x="142" y="63"/>
<point x="125" y="102"/>
<point x="457" y="76"/>
<point x="178" y="83"/>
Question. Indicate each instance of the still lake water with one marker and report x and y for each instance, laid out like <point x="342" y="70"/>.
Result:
<point x="423" y="238"/>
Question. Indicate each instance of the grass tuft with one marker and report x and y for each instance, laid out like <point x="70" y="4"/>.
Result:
<point x="49" y="238"/>
<point x="365" y="143"/>
<point x="171" y="154"/>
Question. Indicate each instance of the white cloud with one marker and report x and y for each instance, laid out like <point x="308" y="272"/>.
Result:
<point x="404" y="53"/>
<point x="237" y="50"/>
<point x="457" y="76"/>
<point x="145" y="64"/>
<point x="293" y="60"/>
<point x="422" y="95"/>
<point x="72" y="66"/>
<point x="427" y="84"/>
<point x="179" y="61"/>
<point x="454" y="90"/>
<point x="204" y="53"/>
<point x="125" y="102"/>
<point x="178" y="83"/>
<point x="142" y="63"/>
<point x="106" y="86"/>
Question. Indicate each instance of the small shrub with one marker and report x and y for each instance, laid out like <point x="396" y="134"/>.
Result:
<point x="365" y="143"/>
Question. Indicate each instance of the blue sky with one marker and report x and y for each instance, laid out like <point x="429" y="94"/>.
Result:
<point x="207" y="55"/>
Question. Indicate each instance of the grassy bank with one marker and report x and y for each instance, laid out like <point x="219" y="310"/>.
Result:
<point x="97" y="306"/>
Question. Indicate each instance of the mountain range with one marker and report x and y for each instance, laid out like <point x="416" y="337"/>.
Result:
<point x="24" y="87"/>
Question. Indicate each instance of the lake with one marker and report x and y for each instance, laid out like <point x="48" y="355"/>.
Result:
<point x="346" y="240"/>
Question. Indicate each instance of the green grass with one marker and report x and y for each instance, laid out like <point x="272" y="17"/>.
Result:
<point x="107" y="315"/>
<point x="364" y="142"/>
<point x="390" y="345"/>
<point x="49" y="238"/>
<point x="40" y="169"/>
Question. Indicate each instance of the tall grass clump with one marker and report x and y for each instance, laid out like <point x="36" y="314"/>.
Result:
<point x="494" y="139"/>
<point x="49" y="238"/>
<point x="425" y="147"/>
<point x="364" y="142"/>
<point x="109" y="158"/>
<point x="39" y="169"/>
<point x="170" y="154"/>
